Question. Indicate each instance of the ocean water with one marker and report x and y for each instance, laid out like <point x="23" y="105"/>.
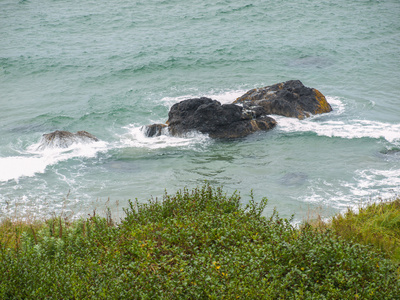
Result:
<point x="111" y="67"/>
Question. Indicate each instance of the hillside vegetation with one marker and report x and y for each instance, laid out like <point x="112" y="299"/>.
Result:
<point x="195" y="244"/>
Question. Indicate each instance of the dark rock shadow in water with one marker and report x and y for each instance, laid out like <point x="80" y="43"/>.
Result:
<point x="391" y="154"/>
<point x="293" y="179"/>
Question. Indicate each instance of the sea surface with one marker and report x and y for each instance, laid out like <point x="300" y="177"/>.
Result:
<point x="111" y="67"/>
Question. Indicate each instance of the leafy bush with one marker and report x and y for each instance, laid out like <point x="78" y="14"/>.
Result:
<point x="199" y="244"/>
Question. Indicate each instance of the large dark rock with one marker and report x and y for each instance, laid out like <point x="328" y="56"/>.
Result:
<point x="290" y="99"/>
<point x="64" y="139"/>
<point x="218" y="121"/>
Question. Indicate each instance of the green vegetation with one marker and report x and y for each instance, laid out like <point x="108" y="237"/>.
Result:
<point x="199" y="244"/>
<point x="377" y="224"/>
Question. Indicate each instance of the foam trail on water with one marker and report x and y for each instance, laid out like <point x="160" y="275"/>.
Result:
<point x="349" y="129"/>
<point x="368" y="185"/>
<point x="169" y="101"/>
<point x="372" y="179"/>
<point x="135" y="137"/>
<point x="34" y="161"/>
<point x="226" y="97"/>
<point x="14" y="167"/>
<point x="337" y="105"/>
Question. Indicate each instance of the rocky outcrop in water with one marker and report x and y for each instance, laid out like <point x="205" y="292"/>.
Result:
<point x="218" y="121"/>
<point x="64" y="139"/>
<point x="290" y="99"/>
<point x="213" y="118"/>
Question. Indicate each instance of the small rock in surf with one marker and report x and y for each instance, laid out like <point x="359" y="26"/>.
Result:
<point x="64" y="139"/>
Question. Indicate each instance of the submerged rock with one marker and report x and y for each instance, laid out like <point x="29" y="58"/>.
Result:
<point x="390" y="154"/>
<point x="64" y="139"/>
<point x="290" y="99"/>
<point x="293" y="179"/>
<point x="218" y="121"/>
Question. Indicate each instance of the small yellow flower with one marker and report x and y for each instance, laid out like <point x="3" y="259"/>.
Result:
<point x="217" y="267"/>
<point x="302" y="269"/>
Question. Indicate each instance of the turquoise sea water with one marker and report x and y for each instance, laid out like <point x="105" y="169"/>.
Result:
<point x="110" y="67"/>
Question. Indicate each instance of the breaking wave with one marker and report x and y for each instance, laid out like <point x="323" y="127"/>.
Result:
<point x="349" y="129"/>
<point x="36" y="159"/>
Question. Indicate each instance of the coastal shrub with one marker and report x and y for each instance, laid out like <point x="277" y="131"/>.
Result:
<point x="195" y="244"/>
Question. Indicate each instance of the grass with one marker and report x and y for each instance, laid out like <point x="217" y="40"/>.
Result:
<point x="197" y="244"/>
<point x="377" y="224"/>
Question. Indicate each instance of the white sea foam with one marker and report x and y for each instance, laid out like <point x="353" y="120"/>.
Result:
<point x="372" y="179"/>
<point x="135" y="137"/>
<point x="169" y="101"/>
<point x="349" y="129"/>
<point x="338" y="106"/>
<point x="33" y="161"/>
<point x="14" y="167"/>
<point x="226" y="97"/>
<point x="369" y="185"/>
